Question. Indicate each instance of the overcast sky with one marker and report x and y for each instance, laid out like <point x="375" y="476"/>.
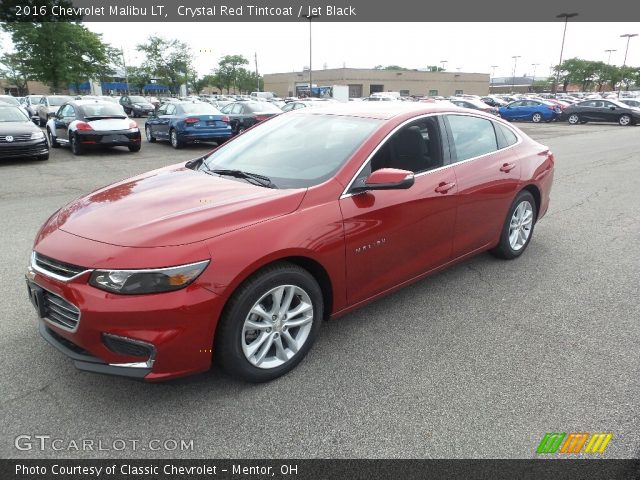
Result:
<point x="472" y="47"/>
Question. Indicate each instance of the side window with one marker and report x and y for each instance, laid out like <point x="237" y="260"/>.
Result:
<point x="237" y="109"/>
<point x="471" y="136"/>
<point x="505" y="136"/>
<point x="162" y="110"/>
<point x="171" y="109"/>
<point x="67" y="111"/>
<point x="516" y="104"/>
<point x="415" y="147"/>
<point x="43" y="101"/>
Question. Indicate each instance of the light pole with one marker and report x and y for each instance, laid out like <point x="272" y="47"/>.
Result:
<point x="609" y="58"/>
<point x="513" y="74"/>
<point x="628" y="36"/>
<point x="310" y="17"/>
<point x="533" y="81"/>
<point x="566" y="17"/>
<point x="493" y="73"/>
<point x="443" y="62"/>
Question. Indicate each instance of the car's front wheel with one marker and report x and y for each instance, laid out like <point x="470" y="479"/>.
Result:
<point x="149" y="134"/>
<point x="624" y="120"/>
<point x="518" y="227"/>
<point x="52" y="140"/>
<point x="270" y="323"/>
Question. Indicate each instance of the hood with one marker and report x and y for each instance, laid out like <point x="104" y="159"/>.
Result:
<point x="171" y="206"/>
<point x="17" y="128"/>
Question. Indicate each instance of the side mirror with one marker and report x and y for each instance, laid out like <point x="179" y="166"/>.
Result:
<point x="387" y="179"/>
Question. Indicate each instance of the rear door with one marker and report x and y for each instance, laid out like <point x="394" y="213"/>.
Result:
<point x="487" y="172"/>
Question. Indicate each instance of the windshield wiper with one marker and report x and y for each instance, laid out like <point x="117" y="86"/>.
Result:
<point x="256" y="179"/>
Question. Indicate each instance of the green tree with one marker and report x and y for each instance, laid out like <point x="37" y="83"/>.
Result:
<point x="12" y="67"/>
<point x="228" y="68"/>
<point x="60" y="52"/>
<point x="167" y="60"/>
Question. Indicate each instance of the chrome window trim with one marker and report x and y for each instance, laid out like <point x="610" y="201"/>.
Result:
<point x="55" y="276"/>
<point x="133" y="270"/>
<point x="346" y="194"/>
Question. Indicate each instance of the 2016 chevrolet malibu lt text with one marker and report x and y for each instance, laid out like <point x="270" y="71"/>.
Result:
<point x="236" y="258"/>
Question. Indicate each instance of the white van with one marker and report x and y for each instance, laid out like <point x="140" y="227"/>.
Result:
<point x="265" y="95"/>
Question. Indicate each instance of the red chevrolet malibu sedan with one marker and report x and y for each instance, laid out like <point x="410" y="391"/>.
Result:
<point x="237" y="257"/>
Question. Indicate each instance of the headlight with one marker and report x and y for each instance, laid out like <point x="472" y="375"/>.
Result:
<point x="37" y="135"/>
<point x="136" y="282"/>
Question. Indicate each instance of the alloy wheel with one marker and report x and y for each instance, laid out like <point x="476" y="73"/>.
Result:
<point x="536" y="117"/>
<point x="624" y="120"/>
<point x="520" y="225"/>
<point x="573" y="119"/>
<point x="277" y="326"/>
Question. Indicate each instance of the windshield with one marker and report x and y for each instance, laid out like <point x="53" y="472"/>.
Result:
<point x="138" y="100"/>
<point x="9" y="100"/>
<point x="103" y="110"/>
<point x="200" y="108"/>
<point x="12" y="114"/>
<point x="57" y="101"/>
<point x="295" y="150"/>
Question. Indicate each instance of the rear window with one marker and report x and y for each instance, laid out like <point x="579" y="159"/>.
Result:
<point x="57" y="101"/>
<point x="200" y="108"/>
<point x="138" y="100"/>
<point x="102" y="110"/>
<point x="262" y="107"/>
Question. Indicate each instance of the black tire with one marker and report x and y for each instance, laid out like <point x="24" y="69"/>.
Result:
<point x="134" y="148"/>
<point x="149" y="134"/>
<point x="228" y="342"/>
<point x="76" y="148"/>
<point x="625" y="120"/>
<point x="42" y="123"/>
<point x="175" y="140"/>
<point x="52" y="140"/>
<point x="573" y="119"/>
<point x="42" y="158"/>
<point x="536" y="117"/>
<point x="241" y="128"/>
<point x="133" y="113"/>
<point x="504" y="249"/>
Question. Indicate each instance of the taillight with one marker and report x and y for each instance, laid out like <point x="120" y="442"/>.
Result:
<point x="226" y="119"/>
<point x="191" y="120"/>
<point x="132" y="124"/>
<point x="83" y="126"/>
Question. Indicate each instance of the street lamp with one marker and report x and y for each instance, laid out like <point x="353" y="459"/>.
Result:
<point x="310" y="17"/>
<point x="609" y="52"/>
<point x="442" y="62"/>
<point x="513" y="74"/>
<point x="533" y="81"/>
<point x="628" y="36"/>
<point x="493" y="73"/>
<point x="566" y="17"/>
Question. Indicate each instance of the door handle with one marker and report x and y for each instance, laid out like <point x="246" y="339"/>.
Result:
<point x="445" y="187"/>
<point x="507" y="167"/>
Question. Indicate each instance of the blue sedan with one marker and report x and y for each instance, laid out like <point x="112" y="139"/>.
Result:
<point x="530" y="110"/>
<point x="183" y="122"/>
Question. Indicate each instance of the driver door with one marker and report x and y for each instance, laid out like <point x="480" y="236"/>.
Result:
<point x="392" y="236"/>
<point x="63" y="119"/>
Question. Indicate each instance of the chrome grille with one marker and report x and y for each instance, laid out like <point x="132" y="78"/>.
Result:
<point x="60" y="312"/>
<point x="55" y="268"/>
<point x="16" y="138"/>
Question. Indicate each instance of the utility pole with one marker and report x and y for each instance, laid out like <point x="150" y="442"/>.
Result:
<point x="126" y="74"/>
<point x="257" y="77"/>
<point x="566" y="17"/>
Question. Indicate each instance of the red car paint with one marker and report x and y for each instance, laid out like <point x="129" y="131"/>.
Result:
<point x="359" y="246"/>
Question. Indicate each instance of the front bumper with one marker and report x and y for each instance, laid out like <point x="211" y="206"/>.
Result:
<point x="117" y="138"/>
<point x="174" y="330"/>
<point x="31" y="148"/>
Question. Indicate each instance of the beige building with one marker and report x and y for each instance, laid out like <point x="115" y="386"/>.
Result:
<point x="35" y="88"/>
<point x="363" y="81"/>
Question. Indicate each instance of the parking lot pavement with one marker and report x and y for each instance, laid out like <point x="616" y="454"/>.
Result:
<point x="478" y="361"/>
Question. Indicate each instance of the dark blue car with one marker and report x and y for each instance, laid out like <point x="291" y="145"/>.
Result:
<point x="530" y="110"/>
<point x="184" y="122"/>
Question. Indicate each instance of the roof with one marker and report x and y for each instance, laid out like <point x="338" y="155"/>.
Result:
<point x="378" y="110"/>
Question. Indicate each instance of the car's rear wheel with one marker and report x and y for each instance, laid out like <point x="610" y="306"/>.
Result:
<point x="240" y="129"/>
<point x="149" y="135"/>
<point x="42" y="122"/>
<point x="270" y="323"/>
<point x="175" y="141"/>
<point x="134" y="148"/>
<point x="624" y="120"/>
<point x="74" y="142"/>
<point x="573" y="119"/>
<point x="518" y="227"/>
<point x="52" y="140"/>
<point x="536" y="117"/>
